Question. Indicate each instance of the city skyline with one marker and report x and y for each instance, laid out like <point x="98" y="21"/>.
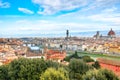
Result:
<point x="50" y="16"/>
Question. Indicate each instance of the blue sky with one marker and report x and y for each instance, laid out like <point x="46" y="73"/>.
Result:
<point x="27" y="17"/>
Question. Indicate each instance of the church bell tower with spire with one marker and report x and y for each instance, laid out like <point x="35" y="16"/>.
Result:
<point x="67" y="34"/>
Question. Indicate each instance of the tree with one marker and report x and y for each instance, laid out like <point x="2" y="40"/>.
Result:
<point x="109" y="75"/>
<point x="75" y="55"/>
<point x="87" y="59"/>
<point x="96" y="65"/>
<point x="93" y="75"/>
<point x="61" y="46"/>
<point x="78" y="68"/>
<point x="101" y="74"/>
<point x="54" y="74"/>
<point x="4" y="72"/>
<point x="67" y="58"/>
<point x="26" y="69"/>
<point x="56" y="65"/>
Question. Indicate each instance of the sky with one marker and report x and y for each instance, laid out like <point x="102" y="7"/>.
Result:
<point x="28" y="17"/>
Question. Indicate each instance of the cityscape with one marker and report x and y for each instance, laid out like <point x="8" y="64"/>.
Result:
<point x="60" y="40"/>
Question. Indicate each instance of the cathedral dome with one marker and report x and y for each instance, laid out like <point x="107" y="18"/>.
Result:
<point x="111" y="32"/>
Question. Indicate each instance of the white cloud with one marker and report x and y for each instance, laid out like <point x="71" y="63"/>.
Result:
<point x="4" y="4"/>
<point x="107" y="18"/>
<point x="54" y="6"/>
<point x="36" y="27"/>
<point x="110" y="10"/>
<point x="25" y="10"/>
<point x="104" y="20"/>
<point x="101" y="4"/>
<point x="44" y="26"/>
<point x="22" y="21"/>
<point x="48" y="7"/>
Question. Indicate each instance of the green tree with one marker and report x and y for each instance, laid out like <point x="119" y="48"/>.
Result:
<point x="101" y="74"/>
<point x="109" y="75"/>
<point x="75" y="55"/>
<point x="53" y="74"/>
<point x="4" y="72"/>
<point x="26" y="69"/>
<point x="61" y="46"/>
<point x="67" y="58"/>
<point x="78" y="68"/>
<point x="96" y="65"/>
<point x="87" y="59"/>
<point x="56" y="65"/>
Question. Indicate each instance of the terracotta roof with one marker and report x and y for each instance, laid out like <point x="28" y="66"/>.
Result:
<point x="55" y="54"/>
<point x="110" y="62"/>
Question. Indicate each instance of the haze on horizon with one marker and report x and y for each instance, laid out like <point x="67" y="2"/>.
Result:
<point x="26" y="17"/>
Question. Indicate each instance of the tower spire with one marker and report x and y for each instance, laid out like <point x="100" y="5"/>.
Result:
<point x="67" y="33"/>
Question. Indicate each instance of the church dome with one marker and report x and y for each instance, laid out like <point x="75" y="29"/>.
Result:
<point x="111" y="32"/>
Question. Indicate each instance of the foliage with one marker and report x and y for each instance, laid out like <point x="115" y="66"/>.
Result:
<point x="101" y="74"/>
<point x="26" y="69"/>
<point x="50" y="63"/>
<point x="3" y="72"/>
<point x="34" y="69"/>
<point x="54" y="74"/>
<point x="55" y="65"/>
<point x="67" y="58"/>
<point x="61" y="46"/>
<point x="96" y="65"/>
<point x="93" y="75"/>
<point x="87" y="59"/>
<point x="109" y="75"/>
<point x="75" y="55"/>
<point x="78" y="68"/>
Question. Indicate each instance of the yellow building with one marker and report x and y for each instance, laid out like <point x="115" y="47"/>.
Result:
<point x="114" y="49"/>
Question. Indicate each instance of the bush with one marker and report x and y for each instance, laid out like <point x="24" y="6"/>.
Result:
<point x="101" y="74"/>
<point x="54" y="74"/>
<point x="96" y="65"/>
<point x="26" y="69"/>
<point x="4" y="72"/>
<point x="78" y="68"/>
<point x="67" y="58"/>
<point x="75" y="55"/>
<point x="87" y="59"/>
<point x="109" y="75"/>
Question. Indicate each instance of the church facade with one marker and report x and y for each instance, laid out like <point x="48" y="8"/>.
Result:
<point x="111" y="34"/>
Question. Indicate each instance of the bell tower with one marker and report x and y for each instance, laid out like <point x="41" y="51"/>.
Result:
<point x="67" y="34"/>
